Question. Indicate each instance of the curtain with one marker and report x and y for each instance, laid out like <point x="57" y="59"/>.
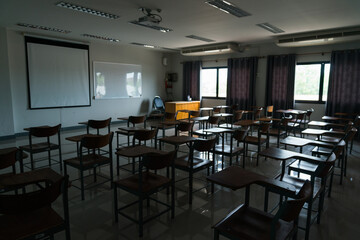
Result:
<point x="280" y="81"/>
<point x="241" y="82"/>
<point x="344" y="82"/>
<point x="191" y="75"/>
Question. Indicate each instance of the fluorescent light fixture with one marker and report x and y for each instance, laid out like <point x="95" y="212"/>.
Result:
<point x="228" y="8"/>
<point x="145" y="45"/>
<point x="43" y="28"/>
<point x="149" y="46"/>
<point x="152" y="26"/>
<point x="100" y="37"/>
<point x="200" y="38"/>
<point x="269" y="27"/>
<point x="86" y="10"/>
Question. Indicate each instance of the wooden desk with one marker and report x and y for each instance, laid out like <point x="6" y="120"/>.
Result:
<point x="173" y="107"/>
<point x="77" y="140"/>
<point x="325" y="124"/>
<point x="330" y="118"/>
<point x="319" y="132"/>
<point x="235" y="178"/>
<point x="301" y="142"/>
<point x="291" y="111"/>
<point x="177" y="140"/>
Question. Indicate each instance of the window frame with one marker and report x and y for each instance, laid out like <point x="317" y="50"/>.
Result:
<point x="217" y="83"/>
<point x="321" y="87"/>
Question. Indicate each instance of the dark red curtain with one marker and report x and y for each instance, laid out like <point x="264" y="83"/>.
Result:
<point x="344" y="82"/>
<point x="191" y="75"/>
<point x="280" y="81"/>
<point x="241" y="82"/>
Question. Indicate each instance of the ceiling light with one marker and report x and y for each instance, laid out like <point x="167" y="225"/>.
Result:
<point x="152" y="26"/>
<point x="100" y="37"/>
<point x="86" y="10"/>
<point x="200" y="38"/>
<point x="149" y="46"/>
<point x="145" y="45"/>
<point x="43" y="28"/>
<point x="270" y="28"/>
<point x="228" y="8"/>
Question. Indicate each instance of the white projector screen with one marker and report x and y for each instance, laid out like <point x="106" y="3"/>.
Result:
<point x="117" y="80"/>
<point x="58" y="73"/>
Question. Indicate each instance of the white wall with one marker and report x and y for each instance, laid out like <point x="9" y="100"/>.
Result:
<point x="6" y="113"/>
<point x="304" y="54"/>
<point x="153" y="74"/>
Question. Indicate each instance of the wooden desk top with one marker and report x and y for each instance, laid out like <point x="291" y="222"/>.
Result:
<point x="137" y="151"/>
<point x="325" y="124"/>
<point x="177" y="140"/>
<point x="123" y="118"/>
<point x="235" y="178"/>
<point x="330" y="118"/>
<point x="206" y="109"/>
<point x="222" y="106"/>
<point x="181" y="102"/>
<point x="219" y="130"/>
<point x="200" y="119"/>
<point x="245" y="122"/>
<point x="44" y="174"/>
<point x="44" y="126"/>
<point x="4" y="151"/>
<point x="291" y="111"/>
<point x="300" y="142"/>
<point x="282" y="154"/>
<point x="133" y="129"/>
<point x="223" y="115"/>
<point x="78" y="138"/>
<point x="169" y="123"/>
<point x="318" y="132"/>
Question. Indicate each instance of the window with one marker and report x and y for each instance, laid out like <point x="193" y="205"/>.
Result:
<point x="213" y="82"/>
<point x="311" y="82"/>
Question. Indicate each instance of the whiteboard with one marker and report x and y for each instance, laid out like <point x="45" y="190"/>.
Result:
<point x="58" y="74"/>
<point x="116" y="80"/>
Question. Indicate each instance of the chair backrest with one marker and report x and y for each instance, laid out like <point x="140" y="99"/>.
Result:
<point x="291" y="209"/>
<point x="300" y="117"/>
<point x="158" y="103"/>
<point x="309" y="112"/>
<point x="169" y="116"/>
<point x="357" y="121"/>
<point x="204" y="145"/>
<point x="264" y="127"/>
<point x="136" y="119"/>
<point x="269" y="111"/>
<point x="216" y="109"/>
<point x="9" y="158"/>
<point x="98" y="124"/>
<point x="213" y="120"/>
<point x="44" y="131"/>
<point x="97" y="141"/>
<point x="194" y="114"/>
<point x="257" y="112"/>
<point x="240" y="135"/>
<point x="144" y="135"/>
<point x="185" y="127"/>
<point x="29" y="201"/>
<point x="156" y="161"/>
<point x="238" y="116"/>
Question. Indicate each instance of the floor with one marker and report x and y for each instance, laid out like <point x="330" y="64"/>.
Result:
<point x="93" y="218"/>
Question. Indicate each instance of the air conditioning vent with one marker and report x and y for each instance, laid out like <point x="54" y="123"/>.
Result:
<point x="222" y="48"/>
<point x="320" y="38"/>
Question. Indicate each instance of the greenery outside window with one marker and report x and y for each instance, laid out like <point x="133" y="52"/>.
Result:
<point x="311" y="82"/>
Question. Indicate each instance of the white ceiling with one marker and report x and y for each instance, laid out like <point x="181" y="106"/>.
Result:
<point x="185" y="17"/>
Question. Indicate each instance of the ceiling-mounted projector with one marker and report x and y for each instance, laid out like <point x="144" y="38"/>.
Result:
<point x="150" y="20"/>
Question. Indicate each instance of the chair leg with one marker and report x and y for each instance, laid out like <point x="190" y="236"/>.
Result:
<point x="60" y="159"/>
<point x="140" y="216"/>
<point x="49" y="158"/>
<point x="330" y="184"/>
<point x="116" y="204"/>
<point x="117" y="165"/>
<point x="172" y="200"/>
<point x="111" y="173"/>
<point x="32" y="161"/>
<point x="216" y="234"/>
<point x="190" y="186"/>
<point x="308" y="220"/>
<point x="94" y="169"/>
<point x="82" y="185"/>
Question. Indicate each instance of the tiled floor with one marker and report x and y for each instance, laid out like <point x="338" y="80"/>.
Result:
<point x="93" y="218"/>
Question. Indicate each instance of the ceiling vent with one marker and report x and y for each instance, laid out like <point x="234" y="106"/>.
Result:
<point x="320" y="38"/>
<point x="221" y="48"/>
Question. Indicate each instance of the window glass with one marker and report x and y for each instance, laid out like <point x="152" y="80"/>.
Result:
<point x="326" y="81"/>
<point x="208" y="82"/>
<point x="307" y="82"/>
<point x="222" y="82"/>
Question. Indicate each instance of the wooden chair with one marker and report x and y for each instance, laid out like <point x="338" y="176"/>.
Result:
<point x="279" y="129"/>
<point x="140" y="138"/>
<point x="92" y="160"/>
<point x="30" y="215"/>
<point x="167" y="117"/>
<point x="98" y="124"/>
<point x="133" y="121"/>
<point x="184" y="129"/>
<point x="233" y="149"/>
<point x="319" y="175"/>
<point x="296" y="123"/>
<point x="237" y="116"/>
<point x="144" y="184"/>
<point x="269" y="111"/>
<point x="8" y="158"/>
<point x="46" y="146"/>
<point x="257" y="113"/>
<point x="258" y="140"/>
<point x="193" y="164"/>
<point x="213" y="121"/>
<point x="246" y="222"/>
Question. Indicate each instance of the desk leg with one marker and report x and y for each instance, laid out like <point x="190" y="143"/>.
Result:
<point x="247" y="195"/>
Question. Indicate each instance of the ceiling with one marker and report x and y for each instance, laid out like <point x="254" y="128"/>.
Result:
<point x="185" y="17"/>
